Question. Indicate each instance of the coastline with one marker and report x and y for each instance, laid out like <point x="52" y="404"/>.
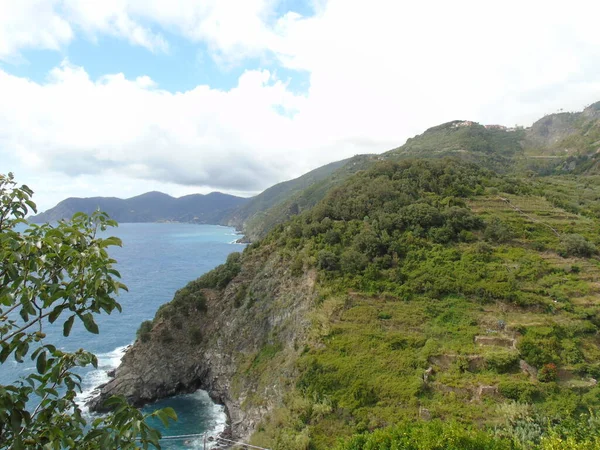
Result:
<point x="106" y="373"/>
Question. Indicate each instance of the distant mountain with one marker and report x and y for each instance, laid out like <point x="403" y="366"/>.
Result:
<point x="149" y="207"/>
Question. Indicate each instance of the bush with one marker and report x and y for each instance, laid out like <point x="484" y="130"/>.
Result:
<point x="220" y="277"/>
<point x="522" y="391"/>
<point x="548" y="373"/>
<point x="165" y="336"/>
<point x="502" y="362"/>
<point x="577" y="245"/>
<point x="538" y="352"/>
<point x="240" y="296"/>
<point x="419" y="435"/>
<point x="353" y="262"/>
<point x="497" y="231"/>
<point x="327" y="260"/>
<point x="143" y="332"/>
<point x="196" y="335"/>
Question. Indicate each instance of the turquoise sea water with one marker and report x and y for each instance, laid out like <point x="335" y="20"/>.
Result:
<point x="155" y="261"/>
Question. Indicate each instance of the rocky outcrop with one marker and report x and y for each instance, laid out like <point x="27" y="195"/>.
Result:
<point x="260" y="315"/>
<point x="498" y="341"/>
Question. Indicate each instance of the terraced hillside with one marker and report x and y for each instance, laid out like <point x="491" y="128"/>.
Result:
<point x="414" y="292"/>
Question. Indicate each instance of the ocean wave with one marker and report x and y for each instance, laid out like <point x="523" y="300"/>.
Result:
<point x="215" y="423"/>
<point x="96" y="378"/>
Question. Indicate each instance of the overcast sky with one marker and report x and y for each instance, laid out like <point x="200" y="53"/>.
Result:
<point x="119" y="97"/>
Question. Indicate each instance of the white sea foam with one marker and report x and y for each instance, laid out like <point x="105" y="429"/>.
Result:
<point x="92" y="381"/>
<point x="98" y="377"/>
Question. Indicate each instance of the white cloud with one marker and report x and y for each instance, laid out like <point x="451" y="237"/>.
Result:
<point x="229" y="140"/>
<point x="379" y="72"/>
<point x="31" y="24"/>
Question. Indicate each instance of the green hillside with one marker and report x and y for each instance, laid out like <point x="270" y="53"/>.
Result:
<point x="443" y="295"/>
<point x="446" y="292"/>
<point x="250" y="213"/>
<point x="292" y="202"/>
<point x="565" y="143"/>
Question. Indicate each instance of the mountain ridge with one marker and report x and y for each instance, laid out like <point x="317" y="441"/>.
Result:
<point x="153" y="206"/>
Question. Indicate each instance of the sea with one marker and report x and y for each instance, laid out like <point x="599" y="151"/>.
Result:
<point x="155" y="260"/>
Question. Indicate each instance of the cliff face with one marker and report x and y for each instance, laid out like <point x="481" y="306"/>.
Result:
<point x="259" y="318"/>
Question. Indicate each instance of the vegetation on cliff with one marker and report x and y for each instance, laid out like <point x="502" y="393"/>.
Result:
<point x="455" y="304"/>
<point x="446" y="292"/>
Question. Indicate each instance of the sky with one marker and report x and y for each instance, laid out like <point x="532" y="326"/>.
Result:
<point x="121" y="97"/>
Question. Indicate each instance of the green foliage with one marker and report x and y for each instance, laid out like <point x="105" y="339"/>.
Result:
<point x="522" y="391"/>
<point x="548" y="373"/>
<point x="497" y="231"/>
<point x="52" y="274"/>
<point x="577" y="245"/>
<point x="219" y="277"/>
<point x="539" y="351"/>
<point x="435" y="435"/>
<point x="143" y="332"/>
<point x="327" y="260"/>
<point x="502" y="362"/>
<point x="195" y="335"/>
<point x="240" y="296"/>
<point x="414" y="263"/>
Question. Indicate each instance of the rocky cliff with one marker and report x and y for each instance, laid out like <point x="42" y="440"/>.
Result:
<point x="219" y="340"/>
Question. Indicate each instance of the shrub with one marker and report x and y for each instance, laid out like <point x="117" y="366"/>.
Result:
<point x="327" y="260"/>
<point x="577" y="245"/>
<point x="240" y="296"/>
<point x="165" y="336"/>
<point x="353" y="261"/>
<point x="497" y="231"/>
<point x="538" y="352"/>
<point x="502" y="362"/>
<point x="196" y="335"/>
<point x="143" y="332"/>
<point x="220" y="277"/>
<point x="548" y="373"/>
<point x="522" y="391"/>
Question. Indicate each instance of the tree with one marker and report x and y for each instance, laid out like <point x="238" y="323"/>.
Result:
<point x="57" y="274"/>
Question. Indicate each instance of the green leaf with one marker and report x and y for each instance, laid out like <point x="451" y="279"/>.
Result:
<point x="170" y="412"/>
<point x="41" y="363"/>
<point x="55" y="313"/>
<point x="88" y="322"/>
<point x="68" y="325"/>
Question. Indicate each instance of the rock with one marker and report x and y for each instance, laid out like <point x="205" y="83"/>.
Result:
<point x="111" y="373"/>
<point x="474" y="362"/>
<point x="487" y="391"/>
<point x="498" y="341"/>
<point x="452" y="389"/>
<point x="427" y="374"/>
<point x="231" y="337"/>
<point x="526" y="368"/>
<point x="424" y="413"/>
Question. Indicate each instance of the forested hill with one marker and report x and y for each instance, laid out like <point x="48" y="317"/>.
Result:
<point x="149" y="207"/>
<point x="558" y="144"/>
<point x="420" y="304"/>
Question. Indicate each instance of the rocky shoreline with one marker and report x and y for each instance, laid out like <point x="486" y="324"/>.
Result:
<point x="172" y="360"/>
